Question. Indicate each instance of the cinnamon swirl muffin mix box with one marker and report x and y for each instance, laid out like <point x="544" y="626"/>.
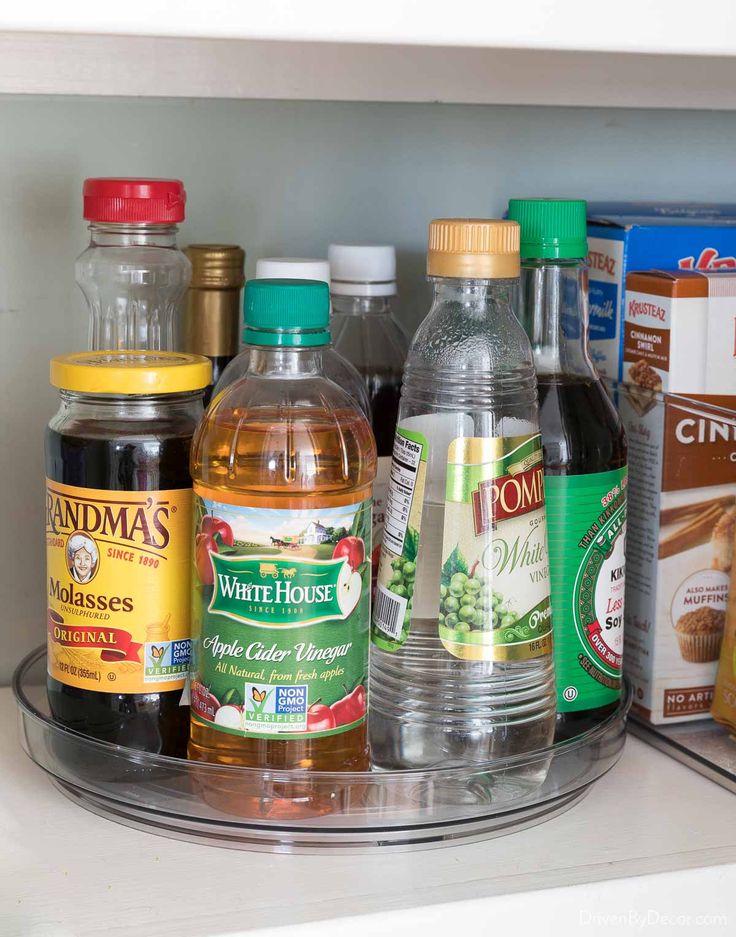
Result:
<point x="680" y="332"/>
<point x="677" y="402"/>
<point x="625" y="236"/>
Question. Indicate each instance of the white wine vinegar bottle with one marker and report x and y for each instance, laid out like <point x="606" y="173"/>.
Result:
<point x="462" y="665"/>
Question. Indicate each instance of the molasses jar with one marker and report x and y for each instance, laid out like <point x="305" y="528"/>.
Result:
<point x="118" y="532"/>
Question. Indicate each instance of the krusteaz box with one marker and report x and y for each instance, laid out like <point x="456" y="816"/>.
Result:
<point x="626" y="236"/>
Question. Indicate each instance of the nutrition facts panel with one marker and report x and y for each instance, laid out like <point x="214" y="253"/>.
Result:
<point x="407" y="457"/>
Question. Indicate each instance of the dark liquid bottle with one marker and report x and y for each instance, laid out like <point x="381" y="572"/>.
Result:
<point x="585" y="457"/>
<point x="365" y="331"/>
<point x="583" y="435"/>
<point x="384" y="393"/>
<point x="103" y="454"/>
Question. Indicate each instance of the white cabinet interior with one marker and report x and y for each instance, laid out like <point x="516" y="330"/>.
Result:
<point x="279" y="178"/>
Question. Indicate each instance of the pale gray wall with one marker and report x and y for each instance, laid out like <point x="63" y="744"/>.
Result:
<point x="279" y="178"/>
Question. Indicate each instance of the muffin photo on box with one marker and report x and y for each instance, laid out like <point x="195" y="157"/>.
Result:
<point x="699" y="634"/>
<point x="644" y="375"/>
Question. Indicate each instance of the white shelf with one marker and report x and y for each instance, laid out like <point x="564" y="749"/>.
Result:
<point x="639" y="55"/>
<point x="658" y="26"/>
<point x="67" y="872"/>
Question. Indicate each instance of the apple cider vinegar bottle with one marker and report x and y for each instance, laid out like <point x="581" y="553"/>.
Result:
<point x="283" y="467"/>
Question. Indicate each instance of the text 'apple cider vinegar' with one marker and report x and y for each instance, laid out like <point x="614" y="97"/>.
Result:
<point x="283" y="467"/>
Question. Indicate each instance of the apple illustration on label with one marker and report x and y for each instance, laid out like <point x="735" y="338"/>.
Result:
<point x="352" y="548"/>
<point x="204" y="545"/>
<point x="349" y="586"/>
<point x="217" y="526"/>
<point x="229" y="717"/>
<point x="349" y="581"/>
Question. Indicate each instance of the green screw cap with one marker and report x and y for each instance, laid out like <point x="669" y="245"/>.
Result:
<point x="551" y="227"/>
<point x="286" y="312"/>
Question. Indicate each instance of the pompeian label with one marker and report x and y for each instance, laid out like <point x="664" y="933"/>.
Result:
<point x="118" y="570"/>
<point x="586" y="520"/>
<point x="281" y="613"/>
<point x="494" y="601"/>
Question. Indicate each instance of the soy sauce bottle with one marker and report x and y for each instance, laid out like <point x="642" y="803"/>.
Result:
<point x="585" y="464"/>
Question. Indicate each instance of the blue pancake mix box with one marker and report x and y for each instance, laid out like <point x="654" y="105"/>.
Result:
<point x="626" y="236"/>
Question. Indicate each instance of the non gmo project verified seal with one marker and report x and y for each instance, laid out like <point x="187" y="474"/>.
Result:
<point x="166" y="661"/>
<point x="271" y="707"/>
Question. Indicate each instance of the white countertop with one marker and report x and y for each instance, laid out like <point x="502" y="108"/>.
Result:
<point x="65" y="872"/>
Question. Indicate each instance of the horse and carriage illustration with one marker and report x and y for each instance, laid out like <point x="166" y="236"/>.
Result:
<point x="271" y="569"/>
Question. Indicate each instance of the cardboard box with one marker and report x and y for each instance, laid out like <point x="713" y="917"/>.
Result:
<point x="680" y="332"/>
<point x="679" y="550"/>
<point x="625" y="236"/>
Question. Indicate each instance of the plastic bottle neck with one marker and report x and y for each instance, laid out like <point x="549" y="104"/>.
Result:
<point x="132" y="235"/>
<point x="284" y="361"/>
<point x="555" y="315"/>
<point x="475" y="297"/>
<point x="361" y="305"/>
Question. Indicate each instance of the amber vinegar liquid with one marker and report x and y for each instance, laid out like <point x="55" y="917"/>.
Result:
<point x="313" y="451"/>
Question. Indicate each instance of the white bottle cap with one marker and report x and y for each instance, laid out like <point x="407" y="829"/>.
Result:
<point x="363" y="269"/>
<point x="293" y="268"/>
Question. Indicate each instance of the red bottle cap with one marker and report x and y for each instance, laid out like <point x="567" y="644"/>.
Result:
<point x="134" y="201"/>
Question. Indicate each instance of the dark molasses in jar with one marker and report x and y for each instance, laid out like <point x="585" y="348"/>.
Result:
<point x="118" y="529"/>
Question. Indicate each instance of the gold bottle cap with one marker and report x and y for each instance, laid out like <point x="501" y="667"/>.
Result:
<point x="473" y="248"/>
<point x="216" y="266"/>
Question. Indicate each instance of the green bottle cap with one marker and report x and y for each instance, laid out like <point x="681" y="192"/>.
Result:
<point x="287" y="312"/>
<point x="551" y="227"/>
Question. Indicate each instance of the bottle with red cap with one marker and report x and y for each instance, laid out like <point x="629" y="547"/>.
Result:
<point x="133" y="275"/>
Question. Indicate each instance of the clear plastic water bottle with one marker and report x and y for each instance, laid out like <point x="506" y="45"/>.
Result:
<point x="461" y="665"/>
<point x="334" y="366"/>
<point x="133" y="275"/>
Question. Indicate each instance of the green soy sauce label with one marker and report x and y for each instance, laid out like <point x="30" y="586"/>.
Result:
<point x="586" y="521"/>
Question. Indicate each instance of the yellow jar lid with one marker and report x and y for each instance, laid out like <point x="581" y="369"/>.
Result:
<point x="130" y="372"/>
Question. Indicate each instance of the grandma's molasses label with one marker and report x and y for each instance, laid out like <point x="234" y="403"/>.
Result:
<point x="494" y="584"/>
<point x="280" y="618"/>
<point x="117" y="581"/>
<point x="586" y="521"/>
